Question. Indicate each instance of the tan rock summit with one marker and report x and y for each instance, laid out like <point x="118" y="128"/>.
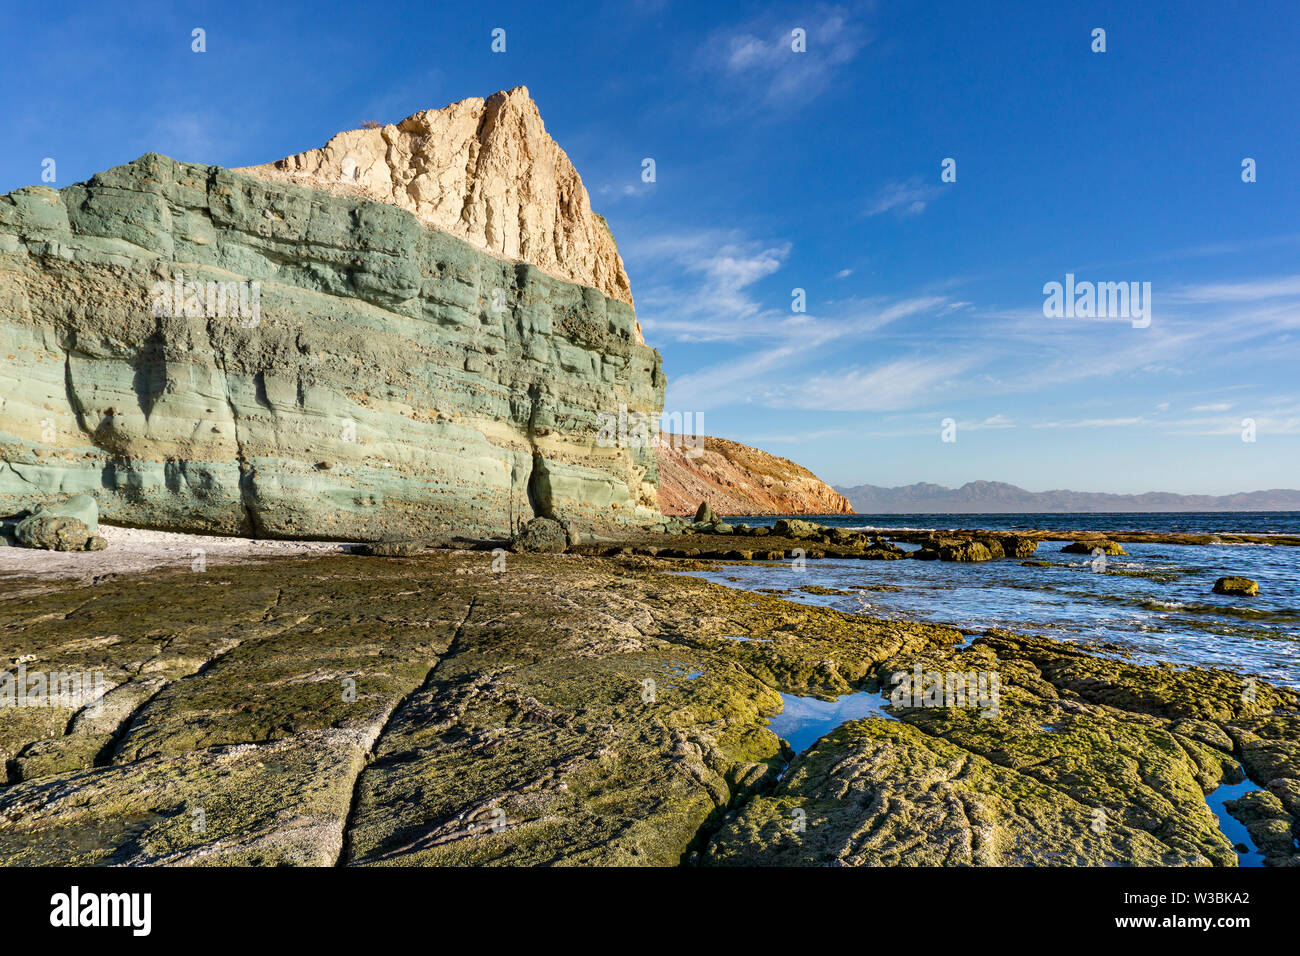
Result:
<point x="485" y="171"/>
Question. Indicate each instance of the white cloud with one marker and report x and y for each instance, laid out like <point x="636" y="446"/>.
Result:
<point x="699" y="285"/>
<point x="994" y="422"/>
<point x="904" y="198"/>
<point x="1253" y="290"/>
<point x="759" y="55"/>
<point x="893" y="385"/>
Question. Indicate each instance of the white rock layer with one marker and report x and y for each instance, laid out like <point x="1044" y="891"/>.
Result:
<point x="485" y="171"/>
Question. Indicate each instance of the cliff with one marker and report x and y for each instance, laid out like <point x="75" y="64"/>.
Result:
<point x="485" y="171"/>
<point x="204" y="350"/>
<point x="738" y="480"/>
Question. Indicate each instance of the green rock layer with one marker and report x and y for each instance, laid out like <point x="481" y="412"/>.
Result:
<point x="391" y="378"/>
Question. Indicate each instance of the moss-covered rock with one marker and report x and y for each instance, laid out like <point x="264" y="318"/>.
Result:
<point x="1243" y="587"/>
<point x="565" y="708"/>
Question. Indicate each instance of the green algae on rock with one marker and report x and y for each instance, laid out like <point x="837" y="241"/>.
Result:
<point x="443" y="708"/>
<point x="1236" y="585"/>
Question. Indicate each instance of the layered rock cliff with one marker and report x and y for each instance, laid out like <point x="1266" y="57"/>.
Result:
<point x="204" y="350"/>
<point x="485" y="171"/>
<point x="738" y="480"/>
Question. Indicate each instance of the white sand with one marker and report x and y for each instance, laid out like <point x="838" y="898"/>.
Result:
<point x="131" y="550"/>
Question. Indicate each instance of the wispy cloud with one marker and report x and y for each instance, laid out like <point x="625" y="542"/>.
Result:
<point x="759" y="56"/>
<point x="699" y="287"/>
<point x="1252" y="290"/>
<point x="992" y="422"/>
<point x="903" y="198"/>
<point x="892" y="385"/>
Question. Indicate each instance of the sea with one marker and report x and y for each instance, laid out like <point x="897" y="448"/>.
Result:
<point x="1154" y="604"/>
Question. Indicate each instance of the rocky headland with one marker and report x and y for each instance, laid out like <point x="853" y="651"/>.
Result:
<point x="738" y="480"/>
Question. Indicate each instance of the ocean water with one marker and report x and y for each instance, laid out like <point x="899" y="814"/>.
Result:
<point x="1189" y="522"/>
<point x="1155" y="603"/>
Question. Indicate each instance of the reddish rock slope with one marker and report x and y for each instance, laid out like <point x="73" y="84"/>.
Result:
<point x="738" y="480"/>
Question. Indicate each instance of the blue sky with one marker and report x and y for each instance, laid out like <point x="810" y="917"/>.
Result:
<point x="820" y="170"/>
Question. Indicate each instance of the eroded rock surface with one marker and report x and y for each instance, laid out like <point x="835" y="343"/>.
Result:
<point x="391" y="379"/>
<point x="440" y="709"/>
<point x="484" y="170"/>
<point x="738" y="480"/>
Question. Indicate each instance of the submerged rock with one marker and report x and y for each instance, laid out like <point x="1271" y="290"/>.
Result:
<point x="1269" y="825"/>
<point x="1243" y="587"/>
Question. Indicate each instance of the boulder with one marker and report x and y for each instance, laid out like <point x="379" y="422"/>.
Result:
<point x="82" y="507"/>
<point x="573" y="534"/>
<point x="1242" y="587"/>
<point x="51" y="532"/>
<point x="796" y="528"/>
<point x="881" y="554"/>
<point x="722" y="527"/>
<point x="1088" y="547"/>
<point x="965" y="552"/>
<point x="1018" y="546"/>
<point x="704" y="514"/>
<point x="540" y="534"/>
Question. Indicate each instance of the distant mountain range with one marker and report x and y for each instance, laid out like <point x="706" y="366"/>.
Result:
<point x="976" y="497"/>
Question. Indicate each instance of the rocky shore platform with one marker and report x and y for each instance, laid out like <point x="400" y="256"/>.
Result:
<point x="485" y="707"/>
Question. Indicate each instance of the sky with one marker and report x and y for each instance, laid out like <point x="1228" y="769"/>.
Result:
<point x="821" y="170"/>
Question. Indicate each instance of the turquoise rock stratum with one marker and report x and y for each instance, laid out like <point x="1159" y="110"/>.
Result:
<point x="202" y="350"/>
